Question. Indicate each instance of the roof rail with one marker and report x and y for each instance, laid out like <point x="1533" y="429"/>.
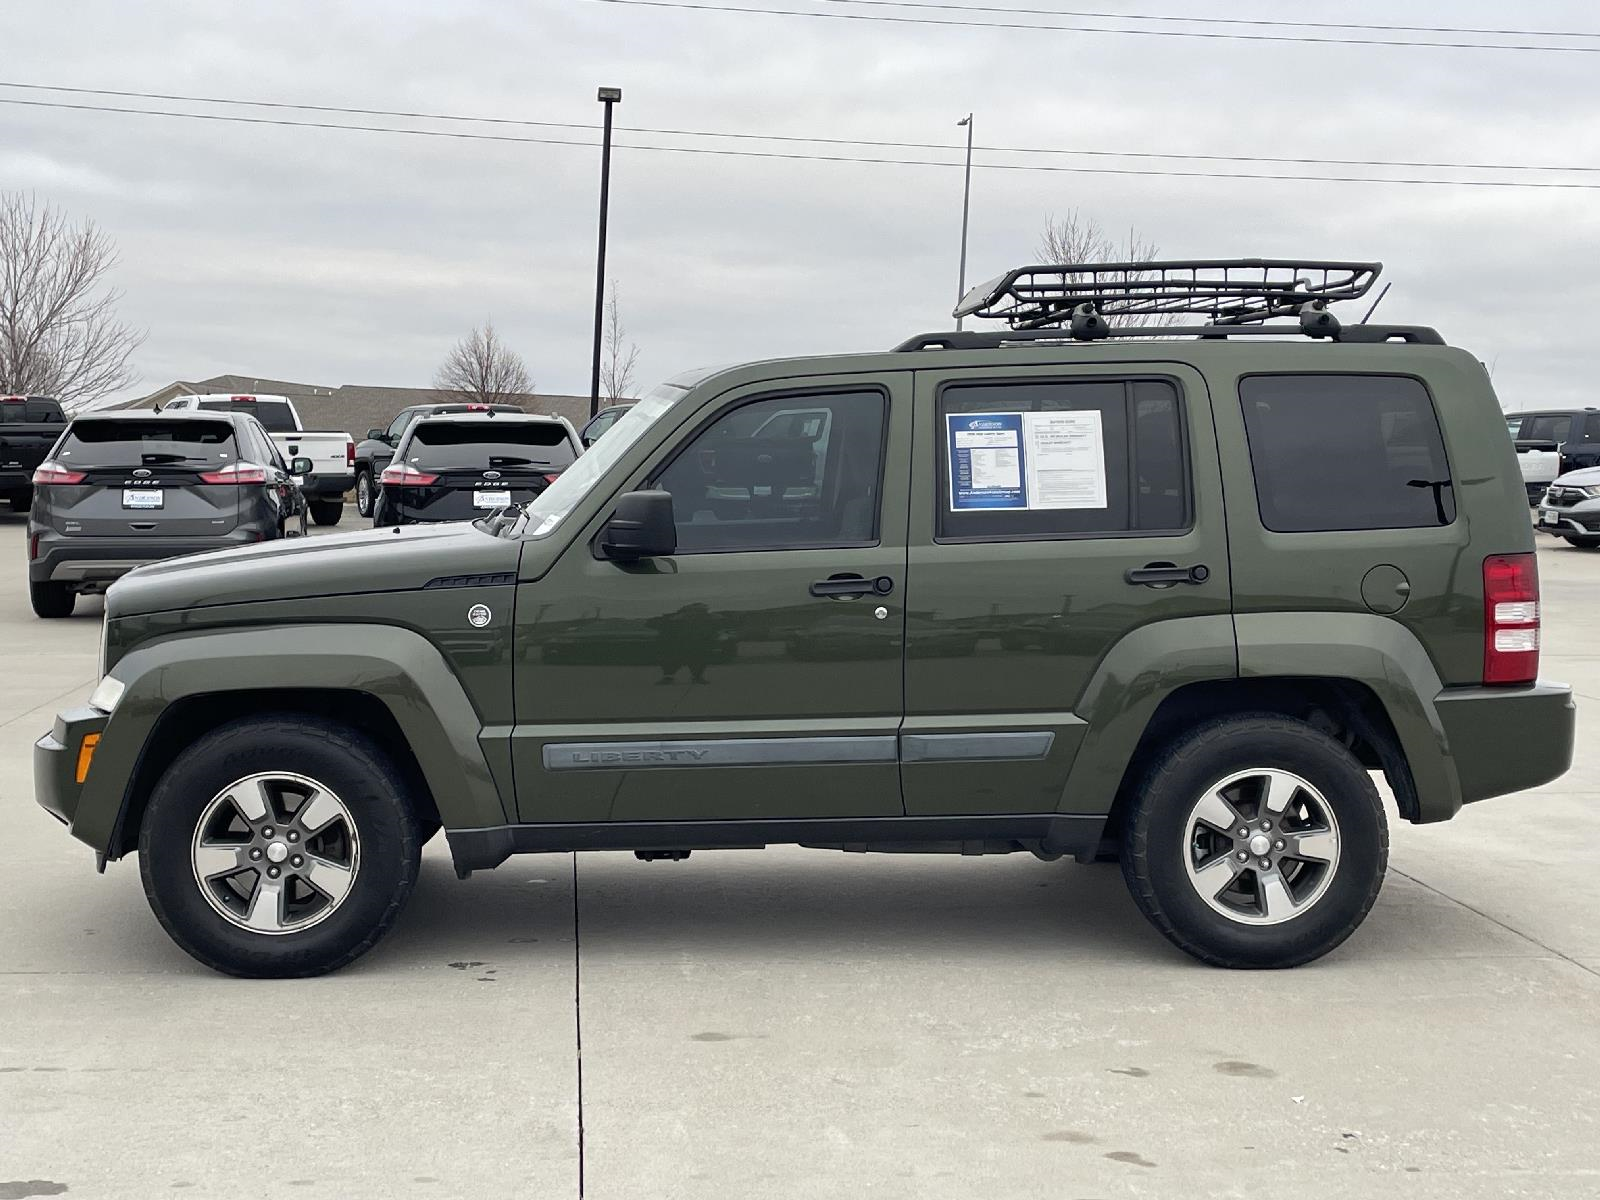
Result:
<point x="1229" y="291"/>
<point x="983" y="340"/>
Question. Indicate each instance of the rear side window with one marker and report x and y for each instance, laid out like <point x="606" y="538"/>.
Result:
<point x="1058" y="459"/>
<point x="1334" y="452"/>
<point x="449" y="444"/>
<point x="1547" y="427"/>
<point x="275" y="415"/>
<point x="32" y="410"/>
<point x="147" y="443"/>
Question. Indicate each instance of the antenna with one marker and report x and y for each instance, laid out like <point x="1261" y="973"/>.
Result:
<point x="1377" y="302"/>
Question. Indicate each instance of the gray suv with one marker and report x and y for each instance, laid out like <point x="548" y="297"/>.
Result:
<point x="123" y="489"/>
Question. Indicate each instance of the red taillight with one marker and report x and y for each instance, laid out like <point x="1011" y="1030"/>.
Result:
<point x="402" y="475"/>
<point x="237" y="473"/>
<point x="54" y="472"/>
<point x="549" y="478"/>
<point x="13" y="399"/>
<point x="33" y="547"/>
<point x="349" y="454"/>
<point x="477" y="408"/>
<point x="242" y="399"/>
<point x="1510" y="618"/>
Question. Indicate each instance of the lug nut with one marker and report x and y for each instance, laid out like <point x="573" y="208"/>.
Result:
<point x="267" y="832"/>
<point x="1265" y="863"/>
<point x="256" y="853"/>
<point x="1266" y="826"/>
<point x="293" y="836"/>
<point x="297" y="861"/>
<point x="272" y="872"/>
<point x="1244" y="833"/>
<point x="1243" y="857"/>
<point x="1278" y="845"/>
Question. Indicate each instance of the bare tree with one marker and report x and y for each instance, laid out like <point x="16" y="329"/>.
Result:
<point x="59" y="333"/>
<point x="616" y="367"/>
<point x="1077" y="238"/>
<point x="481" y="367"/>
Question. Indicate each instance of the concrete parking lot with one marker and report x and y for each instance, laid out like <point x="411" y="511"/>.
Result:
<point x="789" y="1023"/>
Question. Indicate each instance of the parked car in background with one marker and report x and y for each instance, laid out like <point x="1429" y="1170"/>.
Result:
<point x="123" y="489"/>
<point x="600" y="422"/>
<point x="376" y="450"/>
<point x="1570" y="508"/>
<point x="332" y="453"/>
<point x="29" y="426"/>
<point x="463" y="466"/>
<point x="1572" y="434"/>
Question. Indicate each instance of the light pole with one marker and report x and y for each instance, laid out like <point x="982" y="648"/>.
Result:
<point x="610" y="97"/>
<point x="966" y="207"/>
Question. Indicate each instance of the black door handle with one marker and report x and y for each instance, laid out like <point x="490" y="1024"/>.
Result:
<point x="844" y="586"/>
<point x="1167" y="574"/>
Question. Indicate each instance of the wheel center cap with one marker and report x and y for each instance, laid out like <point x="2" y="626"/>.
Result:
<point x="1259" y="845"/>
<point x="277" y="852"/>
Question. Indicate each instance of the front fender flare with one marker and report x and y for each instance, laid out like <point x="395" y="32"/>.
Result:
<point x="399" y="667"/>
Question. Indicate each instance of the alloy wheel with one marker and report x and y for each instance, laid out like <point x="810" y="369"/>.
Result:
<point x="275" y="853"/>
<point x="1261" y="846"/>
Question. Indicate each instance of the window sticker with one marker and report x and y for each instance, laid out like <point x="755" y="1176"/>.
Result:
<point x="1008" y="461"/>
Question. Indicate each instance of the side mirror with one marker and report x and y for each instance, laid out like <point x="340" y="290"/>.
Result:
<point x="301" y="466"/>
<point x="641" y="527"/>
<point x="376" y="435"/>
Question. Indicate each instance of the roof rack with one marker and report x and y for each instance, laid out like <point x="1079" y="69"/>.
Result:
<point x="1229" y="291"/>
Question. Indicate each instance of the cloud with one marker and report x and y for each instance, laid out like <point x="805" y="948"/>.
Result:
<point x="340" y="256"/>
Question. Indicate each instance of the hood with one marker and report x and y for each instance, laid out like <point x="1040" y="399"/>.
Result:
<point x="1587" y="477"/>
<point x="373" y="560"/>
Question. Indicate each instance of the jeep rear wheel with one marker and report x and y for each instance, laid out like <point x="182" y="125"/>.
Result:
<point x="1256" y="841"/>
<point x="279" y="847"/>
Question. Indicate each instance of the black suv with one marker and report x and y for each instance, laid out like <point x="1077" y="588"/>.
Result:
<point x="123" y="489"/>
<point x="376" y="450"/>
<point x="29" y="426"/>
<point x="459" y="467"/>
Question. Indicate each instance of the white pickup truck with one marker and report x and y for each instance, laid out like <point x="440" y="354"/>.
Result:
<point x="332" y="454"/>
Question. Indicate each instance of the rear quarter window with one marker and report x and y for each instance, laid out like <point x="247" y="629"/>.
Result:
<point x="135" y="443"/>
<point x="484" y="443"/>
<point x="32" y="411"/>
<point x="1346" y="452"/>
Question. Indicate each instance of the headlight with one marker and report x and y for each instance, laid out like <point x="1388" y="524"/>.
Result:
<point x="107" y="694"/>
<point x="1592" y="490"/>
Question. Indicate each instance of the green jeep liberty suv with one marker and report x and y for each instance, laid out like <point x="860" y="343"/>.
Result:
<point x="1070" y="586"/>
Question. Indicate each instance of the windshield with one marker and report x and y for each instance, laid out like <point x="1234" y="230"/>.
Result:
<point x="475" y="444"/>
<point x="546" y="512"/>
<point x="132" y="443"/>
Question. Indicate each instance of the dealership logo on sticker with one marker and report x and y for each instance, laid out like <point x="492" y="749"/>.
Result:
<point x="479" y="615"/>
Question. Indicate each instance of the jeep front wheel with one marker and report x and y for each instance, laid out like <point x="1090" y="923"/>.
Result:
<point x="1256" y="841"/>
<point x="279" y="847"/>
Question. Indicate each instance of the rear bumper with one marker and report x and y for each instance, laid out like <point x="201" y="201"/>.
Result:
<point x="16" y="479"/>
<point x="326" y="487"/>
<point x="55" y="761"/>
<point x="91" y="561"/>
<point x="1507" y="739"/>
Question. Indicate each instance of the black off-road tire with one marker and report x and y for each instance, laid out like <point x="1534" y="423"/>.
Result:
<point x="1156" y="840"/>
<point x="327" y="512"/>
<point x="371" y="788"/>
<point x="52" y="599"/>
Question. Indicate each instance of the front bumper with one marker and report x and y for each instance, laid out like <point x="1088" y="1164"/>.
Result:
<point x="325" y="487"/>
<point x="92" y="562"/>
<point x="1507" y="739"/>
<point x="55" y="761"/>
<point x="1578" y="519"/>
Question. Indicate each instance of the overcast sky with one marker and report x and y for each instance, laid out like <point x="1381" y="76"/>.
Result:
<point x="342" y="257"/>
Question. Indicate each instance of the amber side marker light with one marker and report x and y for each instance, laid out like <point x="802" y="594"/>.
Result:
<point x="86" y="754"/>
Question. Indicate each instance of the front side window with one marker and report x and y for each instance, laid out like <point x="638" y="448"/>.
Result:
<point x="1333" y="452"/>
<point x="784" y="472"/>
<point x="398" y="425"/>
<point x="1041" y="458"/>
